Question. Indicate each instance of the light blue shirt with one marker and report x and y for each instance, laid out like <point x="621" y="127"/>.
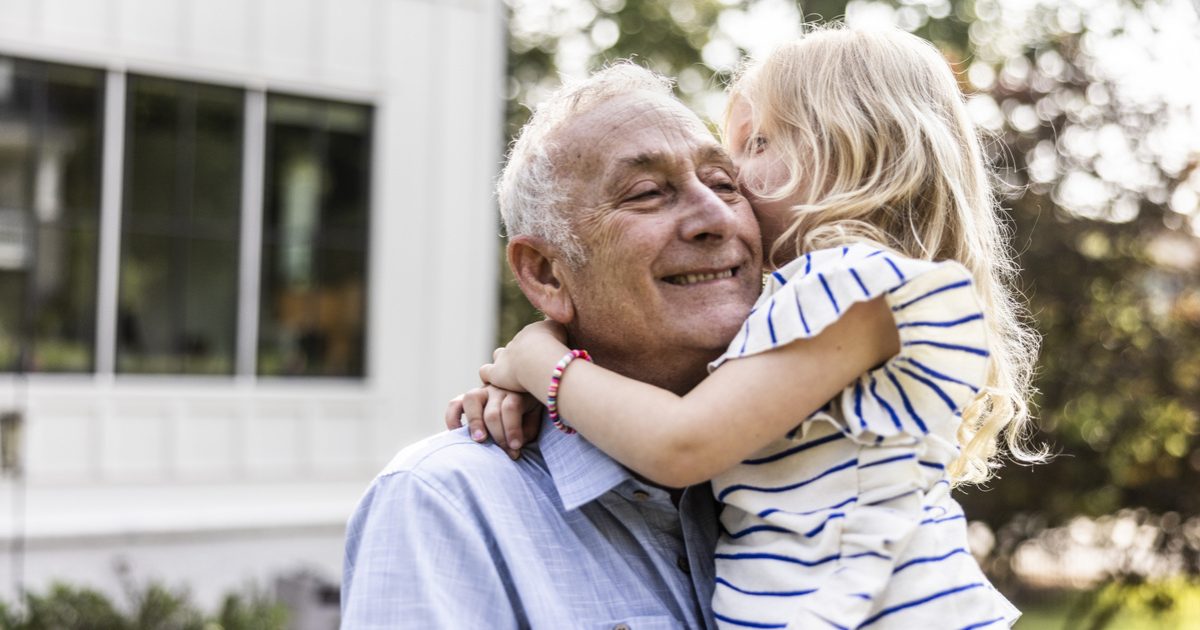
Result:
<point x="453" y="534"/>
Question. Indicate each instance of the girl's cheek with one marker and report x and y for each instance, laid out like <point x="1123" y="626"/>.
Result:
<point x="754" y="187"/>
<point x="771" y="219"/>
<point x="763" y="175"/>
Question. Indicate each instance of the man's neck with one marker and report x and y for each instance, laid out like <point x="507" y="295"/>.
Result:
<point x="677" y="371"/>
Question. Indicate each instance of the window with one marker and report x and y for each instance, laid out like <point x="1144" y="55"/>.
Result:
<point x="50" y="157"/>
<point x="177" y="306"/>
<point x="181" y="227"/>
<point x="314" y="254"/>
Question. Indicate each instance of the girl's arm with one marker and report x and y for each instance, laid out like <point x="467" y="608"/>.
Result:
<point x="739" y="409"/>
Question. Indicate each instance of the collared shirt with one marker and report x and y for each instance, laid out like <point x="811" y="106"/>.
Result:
<point x="453" y="534"/>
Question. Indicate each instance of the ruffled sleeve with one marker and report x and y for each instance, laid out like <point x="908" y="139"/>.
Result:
<point x="943" y="355"/>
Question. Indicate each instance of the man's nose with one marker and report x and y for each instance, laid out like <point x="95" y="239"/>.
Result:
<point x="708" y="216"/>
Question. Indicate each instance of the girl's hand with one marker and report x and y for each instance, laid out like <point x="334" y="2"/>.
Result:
<point x="526" y="362"/>
<point x="511" y="419"/>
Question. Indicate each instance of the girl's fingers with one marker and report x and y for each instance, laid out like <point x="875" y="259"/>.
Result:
<point x="484" y="373"/>
<point x="496" y="413"/>
<point x="511" y="409"/>
<point x="454" y="413"/>
<point x="532" y="418"/>
<point x="493" y="420"/>
<point x="473" y="402"/>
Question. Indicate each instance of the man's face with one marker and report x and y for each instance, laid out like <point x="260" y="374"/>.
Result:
<point x="673" y="250"/>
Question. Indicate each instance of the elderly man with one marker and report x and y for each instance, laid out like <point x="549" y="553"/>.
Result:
<point x="625" y="223"/>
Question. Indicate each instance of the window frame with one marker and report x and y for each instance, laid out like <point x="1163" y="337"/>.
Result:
<point x="180" y="224"/>
<point x="113" y="118"/>
<point x="362" y="247"/>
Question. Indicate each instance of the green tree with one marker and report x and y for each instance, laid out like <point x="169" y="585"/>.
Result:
<point x="1103" y="176"/>
<point x="1095" y="131"/>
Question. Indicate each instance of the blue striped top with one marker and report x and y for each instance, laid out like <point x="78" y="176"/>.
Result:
<point x="848" y="522"/>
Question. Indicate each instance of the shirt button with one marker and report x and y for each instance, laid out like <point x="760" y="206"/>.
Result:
<point x="683" y="565"/>
<point x="621" y="626"/>
<point x="640" y="495"/>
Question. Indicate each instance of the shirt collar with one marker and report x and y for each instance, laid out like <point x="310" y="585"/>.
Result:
<point x="581" y="472"/>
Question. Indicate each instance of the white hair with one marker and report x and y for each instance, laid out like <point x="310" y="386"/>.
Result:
<point x="531" y="189"/>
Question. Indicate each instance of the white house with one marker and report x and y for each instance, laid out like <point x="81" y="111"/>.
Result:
<point x="247" y="251"/>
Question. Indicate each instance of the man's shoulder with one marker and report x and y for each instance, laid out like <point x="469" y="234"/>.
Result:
<point x="450" y="460"/>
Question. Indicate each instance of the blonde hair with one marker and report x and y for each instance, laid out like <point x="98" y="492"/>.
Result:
<point x="878" y="145"/>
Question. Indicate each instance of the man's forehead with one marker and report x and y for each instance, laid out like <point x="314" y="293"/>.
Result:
<point x="705" y="152"/>
<point x="640" y="130"/>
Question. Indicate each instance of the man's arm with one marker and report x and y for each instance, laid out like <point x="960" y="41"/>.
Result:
<point x="416" y="559"/>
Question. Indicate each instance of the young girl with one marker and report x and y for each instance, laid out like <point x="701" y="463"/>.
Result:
<point x="867" y="177"/>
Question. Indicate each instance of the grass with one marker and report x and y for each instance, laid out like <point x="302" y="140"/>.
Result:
<point x="1166" y="605"/>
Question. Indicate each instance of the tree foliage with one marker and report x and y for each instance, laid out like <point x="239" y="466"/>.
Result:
<point x="1095" y="133"/>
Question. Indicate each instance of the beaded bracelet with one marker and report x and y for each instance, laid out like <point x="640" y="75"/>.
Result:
<point x="555" y="378"/>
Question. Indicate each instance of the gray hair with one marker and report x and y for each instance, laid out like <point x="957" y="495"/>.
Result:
<point x="530" y="189"/>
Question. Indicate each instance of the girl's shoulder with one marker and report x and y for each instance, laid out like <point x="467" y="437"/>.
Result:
<point x="943" y="359"/>
<point x="938" y="314"/>
<point x="860" y="260"/>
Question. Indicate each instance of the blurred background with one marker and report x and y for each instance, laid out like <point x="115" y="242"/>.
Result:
<point x="247" y="253"/>
<point x="1092" y="114"/>
<point x="248" y="249"/>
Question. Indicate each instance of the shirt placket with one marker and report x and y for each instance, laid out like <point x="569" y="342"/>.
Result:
<point x="668" y="541"/>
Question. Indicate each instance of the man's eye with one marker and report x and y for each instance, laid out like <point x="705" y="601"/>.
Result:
<point x="644" y="195"/>
<point x="724" y="186"/>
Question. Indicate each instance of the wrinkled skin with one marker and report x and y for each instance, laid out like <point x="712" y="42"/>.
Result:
<point x="657" y="199"/>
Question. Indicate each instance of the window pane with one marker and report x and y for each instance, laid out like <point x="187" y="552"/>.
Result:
<point x="73" y="119"/>
<point x="218" y="127"/>
<point x="167" y="326"/>
<point x="50" y="152"/>
<point x="152" y="153"/>
<point x="312" y="316"/>
<point x="12" y="292"/>
<point x="179" y="261"/>
<point x="145" y="328"/>
<point x="209" y="324"/>
<point x="65" y="292"/>
<point x="348" y="192"/>
<point x="20" y="132"/>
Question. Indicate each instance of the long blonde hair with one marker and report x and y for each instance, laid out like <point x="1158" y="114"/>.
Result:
<point x="879" y="147"/>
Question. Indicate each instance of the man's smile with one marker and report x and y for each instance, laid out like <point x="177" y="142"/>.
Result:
<point x="698" y="276"/>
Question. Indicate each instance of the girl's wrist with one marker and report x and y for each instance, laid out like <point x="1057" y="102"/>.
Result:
<point x="536" y="379"/>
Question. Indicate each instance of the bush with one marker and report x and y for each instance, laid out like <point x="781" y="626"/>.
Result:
<point x="154" y="607"/>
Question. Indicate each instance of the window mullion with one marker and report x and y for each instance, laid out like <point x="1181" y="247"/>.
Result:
<point x="250" y="256"/>
<point x="110" y="222"/>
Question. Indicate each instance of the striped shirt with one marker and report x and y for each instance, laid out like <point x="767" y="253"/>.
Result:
<point x="848" y="522"/>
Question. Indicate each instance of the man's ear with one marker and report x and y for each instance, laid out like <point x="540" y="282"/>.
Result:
<point x="539" y="272"/>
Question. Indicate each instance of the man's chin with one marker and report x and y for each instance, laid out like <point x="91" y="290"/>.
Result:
<point x="715" y="330"/>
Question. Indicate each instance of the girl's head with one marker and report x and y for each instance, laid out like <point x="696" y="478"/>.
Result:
<point x="846" y="136"/>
